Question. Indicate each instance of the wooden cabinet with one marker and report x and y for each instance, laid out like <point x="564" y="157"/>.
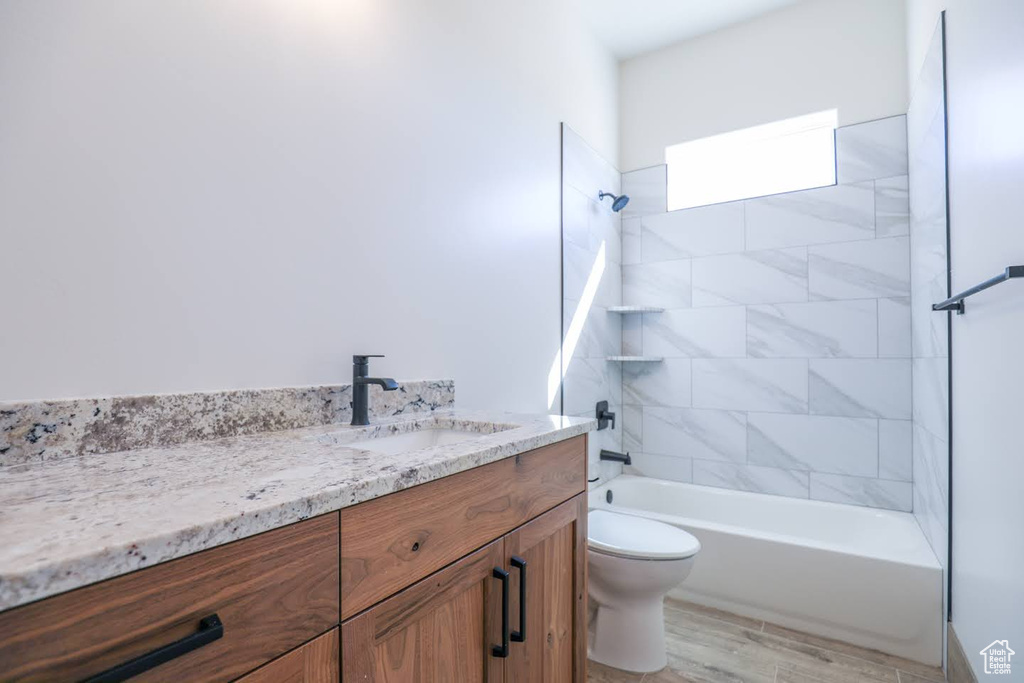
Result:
<point x="314" y="662"/>
<point x="391" y="542"/>
<point x="553" y="549"/>
<point x="514" y="610"/>
<point x="476" y="577"/>
<point x="439" y="630"/>
<point x="270" y="593"/>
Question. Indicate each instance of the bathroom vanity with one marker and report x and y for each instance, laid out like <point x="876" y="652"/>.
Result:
<point x="457" y="561"/>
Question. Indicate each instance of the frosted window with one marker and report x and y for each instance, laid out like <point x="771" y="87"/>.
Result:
<point x="794" y="154"/>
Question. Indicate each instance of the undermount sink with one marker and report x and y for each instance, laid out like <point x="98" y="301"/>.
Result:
<point x="414" y="441"/>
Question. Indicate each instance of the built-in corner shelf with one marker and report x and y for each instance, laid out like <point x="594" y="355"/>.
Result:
<point x="636" y="359"/>
<point x="635" y="309"/>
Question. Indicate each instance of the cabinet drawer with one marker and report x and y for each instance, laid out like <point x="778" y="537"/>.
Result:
<point x="271" y="592"/>
<point x="391" y="542"/>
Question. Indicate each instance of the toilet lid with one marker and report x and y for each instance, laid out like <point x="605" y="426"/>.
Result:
<point x="628" y="536"/>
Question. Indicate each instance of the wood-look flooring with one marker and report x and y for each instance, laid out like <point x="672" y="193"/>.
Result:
<point x="710" y="646"/>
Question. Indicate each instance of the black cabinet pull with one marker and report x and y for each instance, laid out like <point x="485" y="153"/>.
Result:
<point x="520" y="635"/>
<point x="502" y="650"/>
<point x="210" y="629"/>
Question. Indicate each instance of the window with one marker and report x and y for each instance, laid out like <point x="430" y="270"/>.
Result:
<point x="794" y="154"/>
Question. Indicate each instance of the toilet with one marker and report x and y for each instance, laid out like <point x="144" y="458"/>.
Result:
<point x="633" y="562"/>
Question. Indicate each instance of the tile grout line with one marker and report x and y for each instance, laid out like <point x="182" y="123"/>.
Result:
<point x="878" y="448"/>
<point x="736" y="304"/>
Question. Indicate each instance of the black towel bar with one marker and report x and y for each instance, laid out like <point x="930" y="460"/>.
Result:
<point x="956" y="303"/>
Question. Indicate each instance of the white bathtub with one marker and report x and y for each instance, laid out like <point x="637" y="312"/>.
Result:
<point x="855" y="574"/>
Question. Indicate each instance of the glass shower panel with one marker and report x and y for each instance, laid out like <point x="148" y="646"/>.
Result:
<point x="591" y="289"/>
<point x="930" y="283"/>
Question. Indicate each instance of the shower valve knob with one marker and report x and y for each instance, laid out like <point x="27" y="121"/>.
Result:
<point x="604" y="416"/>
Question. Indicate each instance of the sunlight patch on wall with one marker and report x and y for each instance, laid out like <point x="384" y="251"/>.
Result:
<point x="575" y="329"/>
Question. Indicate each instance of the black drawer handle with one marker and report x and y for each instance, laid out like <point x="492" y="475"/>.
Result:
<point x="520" y="635"/>
<point x="210" y="629"/>
<point x="502" y="650"/>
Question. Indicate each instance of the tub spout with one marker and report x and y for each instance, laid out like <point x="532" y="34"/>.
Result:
<point x="616" y="457"/>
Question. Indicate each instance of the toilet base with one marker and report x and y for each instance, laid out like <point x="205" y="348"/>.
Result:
<point x="631" y="638"/>
<point x="628" y="590"/>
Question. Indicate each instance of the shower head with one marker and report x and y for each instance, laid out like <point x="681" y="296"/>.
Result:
<point x="618" y="203"/>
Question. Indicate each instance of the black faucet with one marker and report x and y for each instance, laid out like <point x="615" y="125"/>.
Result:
<point x="361" y="388"/>
<point x="616" y="457"/>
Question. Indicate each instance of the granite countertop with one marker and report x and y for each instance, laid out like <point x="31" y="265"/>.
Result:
<point x="68" y="523"/>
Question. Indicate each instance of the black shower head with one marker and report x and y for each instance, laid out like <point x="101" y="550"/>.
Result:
<point x="618" y="203"/>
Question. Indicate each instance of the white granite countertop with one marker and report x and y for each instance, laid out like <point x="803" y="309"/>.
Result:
<point x="68" y="523"/>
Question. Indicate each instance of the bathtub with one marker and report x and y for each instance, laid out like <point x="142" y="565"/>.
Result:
<point x="855" y="574"/>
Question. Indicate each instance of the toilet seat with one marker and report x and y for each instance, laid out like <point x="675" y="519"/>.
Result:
<point x="611" y="533"/>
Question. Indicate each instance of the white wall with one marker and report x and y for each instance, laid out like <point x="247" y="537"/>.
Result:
<point x="206" y="195"/>
<point x="819" y="54"/>
<point x="985" y="70"/>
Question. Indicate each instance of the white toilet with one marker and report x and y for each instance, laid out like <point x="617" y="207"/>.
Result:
<point x="633" y="563"/>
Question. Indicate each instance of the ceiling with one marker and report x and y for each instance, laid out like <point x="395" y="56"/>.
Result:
<point x="632" y="27"/>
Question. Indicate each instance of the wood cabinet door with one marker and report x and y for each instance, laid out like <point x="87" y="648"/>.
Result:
<point x="314" y="662"/>
<point x="440" y="630"/>
<point x="553" y="548"/>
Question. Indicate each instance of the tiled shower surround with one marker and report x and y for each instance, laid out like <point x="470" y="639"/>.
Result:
<point x="786" y="334"/>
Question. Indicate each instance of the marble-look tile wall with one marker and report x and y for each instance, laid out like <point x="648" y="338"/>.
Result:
<point x="34" y="431"/>
<point x="591" y="283"/>
<point x="928" y="284"/>
<point x="786" y="333"/>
